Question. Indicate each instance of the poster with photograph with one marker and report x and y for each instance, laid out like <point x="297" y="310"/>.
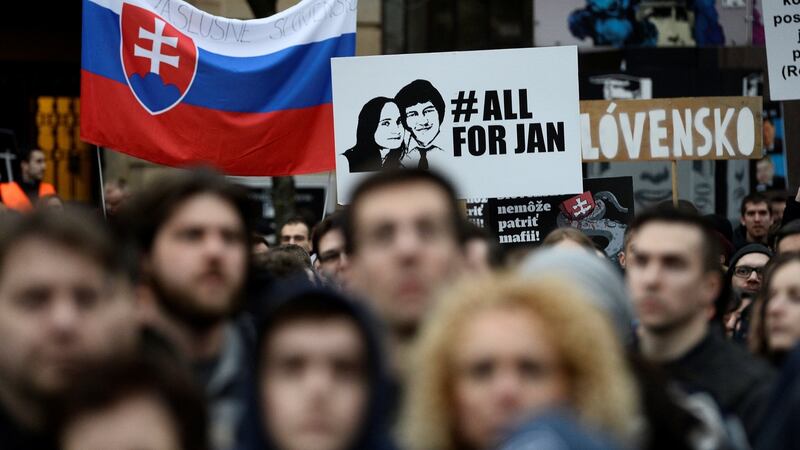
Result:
<point x="497" y="123"/>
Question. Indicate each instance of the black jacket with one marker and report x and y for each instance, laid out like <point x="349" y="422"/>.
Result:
<point x="781" y="426"/>
<point x="14" y="437"/>
<point x="738" y="382"/>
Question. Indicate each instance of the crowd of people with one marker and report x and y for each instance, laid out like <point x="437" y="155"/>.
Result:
<point x="170" y="323"/>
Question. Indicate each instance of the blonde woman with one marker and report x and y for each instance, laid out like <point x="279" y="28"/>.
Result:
<point x="500" y="349"/>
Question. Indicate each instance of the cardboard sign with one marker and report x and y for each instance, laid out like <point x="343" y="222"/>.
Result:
<point x="782" y="30"/>
<point x="497" y="123"/>
<point x="675" y="128"/>
<point x="602" y="212"/>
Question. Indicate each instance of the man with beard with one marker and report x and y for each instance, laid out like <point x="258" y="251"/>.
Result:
<point x="66" y="300"/>
<point x="674" y="276"/>
<point x="193" y="230"/>
<point x="745" y="274"/>
<point x="422" y="112"/>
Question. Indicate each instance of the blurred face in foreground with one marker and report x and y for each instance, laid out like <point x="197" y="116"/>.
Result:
<point x="139" y="422"/>
<point x="406" y="249"/>
<point x="665" y="274"/>
<point x="58" y="309"/>
<point x="314" y="385"/>
<point x="199" y="259"/>
<point x="783" y="308"/>
<point x="505" y="368"/>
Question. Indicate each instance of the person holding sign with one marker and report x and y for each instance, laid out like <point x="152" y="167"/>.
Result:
<point x="422" y="109"/>
<point x="379" y="137"/>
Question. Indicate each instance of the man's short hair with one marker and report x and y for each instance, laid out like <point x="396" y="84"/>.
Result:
<point x="285" y="261"/>
<point x="419" y="91"/>
<point x="26" y="153"/>
<point x="790" y="229"/>
<point x="104" y="386"/>
<point x="709" y="242"/>
<point x="150" y="209"/>
<point x="77" y="231"/>
<point x="755" y="197"/>
<point x="294" y="220"/>
<point x="334" y="221"/>
<point x="392" y="178"/>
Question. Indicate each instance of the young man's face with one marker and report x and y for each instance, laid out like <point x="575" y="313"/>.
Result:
<point x="58" y="309"/>
<point x="314" y="384"/>
<point x="423" y="121"/>
<point x="756" y="220"/>
<point x="199" y="259"/>
<point x="406" y="249"/>
<point x="748" y="273"/>
<point x="34" y="167"/>
<point x="665" y="274"/>
<point x="297" y="234"/>
<point x="332" y="260"/>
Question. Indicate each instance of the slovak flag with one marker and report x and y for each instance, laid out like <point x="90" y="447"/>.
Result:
<point x="166" y="82"/>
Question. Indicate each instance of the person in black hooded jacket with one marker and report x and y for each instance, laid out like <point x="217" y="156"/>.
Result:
<point x="321" y="378"/>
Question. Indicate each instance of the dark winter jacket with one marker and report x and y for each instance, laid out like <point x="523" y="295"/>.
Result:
<point x="781" y="426"/>
<point x="736" y="380"/>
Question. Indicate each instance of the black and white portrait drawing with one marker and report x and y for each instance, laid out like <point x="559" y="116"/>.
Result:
<point x="399" y="132"/>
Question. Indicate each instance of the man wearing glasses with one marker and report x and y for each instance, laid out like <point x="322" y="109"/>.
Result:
<point x="327" y="242"/>
<point x="745" y="273"/>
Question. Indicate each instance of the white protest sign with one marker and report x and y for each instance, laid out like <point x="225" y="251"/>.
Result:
<point x="498" y="123"/>
<point x="782" y="31"/>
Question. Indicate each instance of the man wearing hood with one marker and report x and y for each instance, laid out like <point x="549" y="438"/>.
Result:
<point x="321" y="378"/>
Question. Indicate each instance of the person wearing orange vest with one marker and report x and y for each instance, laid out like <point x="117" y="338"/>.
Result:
<point x="24" y="194"/>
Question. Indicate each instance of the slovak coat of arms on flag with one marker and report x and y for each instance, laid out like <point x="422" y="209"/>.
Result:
<point x="160" y="62"/>
<point x="167" y="82"/>
<point x="579" y="206"/>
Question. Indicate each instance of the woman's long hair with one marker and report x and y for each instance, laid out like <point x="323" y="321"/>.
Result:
<point x="759" y="340"/>
<point x="366" y="147"/>
<point x="602" y="390"/>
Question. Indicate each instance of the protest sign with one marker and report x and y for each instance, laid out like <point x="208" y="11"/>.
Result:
<point x="782" y="31"/>
<point x="602" y="212"/>
<point x="497" y="123"/>
<point x="671" y="129"/>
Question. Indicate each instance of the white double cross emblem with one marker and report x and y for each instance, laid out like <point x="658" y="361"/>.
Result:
<point x="155" y="56"/>
<point x="581" y="206"/>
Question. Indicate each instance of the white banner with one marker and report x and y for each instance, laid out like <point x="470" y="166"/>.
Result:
<point x="498" y="123"/>
<point x="782" y="30"/>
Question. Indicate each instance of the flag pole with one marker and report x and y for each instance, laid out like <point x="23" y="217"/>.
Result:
<point x="675" y="183"/>
<point x="327" y="191"/>
<point x="102" y="183"/>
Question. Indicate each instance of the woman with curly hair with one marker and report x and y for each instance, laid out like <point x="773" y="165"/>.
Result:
<point x="498" y="350"/>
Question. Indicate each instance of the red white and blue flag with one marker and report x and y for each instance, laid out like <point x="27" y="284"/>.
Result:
<point x="164" y="81"/>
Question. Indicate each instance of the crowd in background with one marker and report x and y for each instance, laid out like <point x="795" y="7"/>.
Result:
<point x="170" y="323"/>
